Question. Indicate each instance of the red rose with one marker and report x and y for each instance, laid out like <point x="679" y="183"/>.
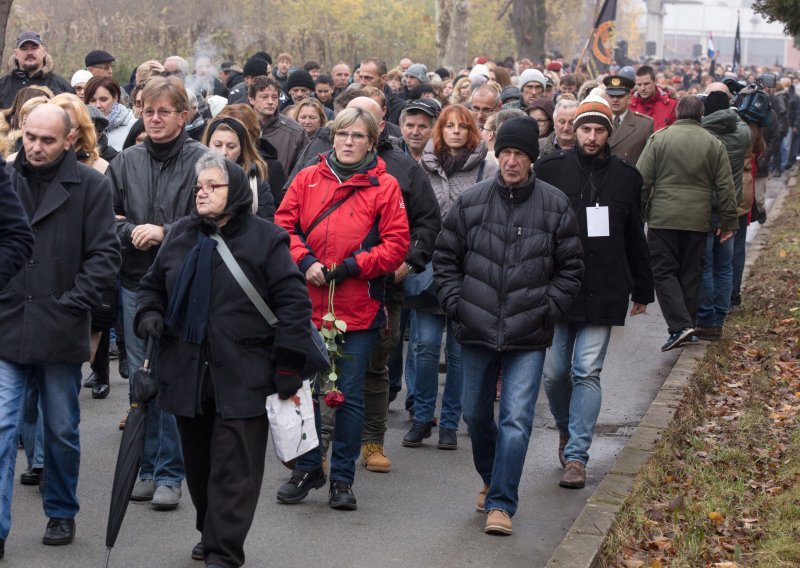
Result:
<point x="334" y="398"/>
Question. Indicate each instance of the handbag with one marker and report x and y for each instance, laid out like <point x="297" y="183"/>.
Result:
<point x="316" y="353"/>
<point x="419" y="289"/>
<point x="291" y="424"/>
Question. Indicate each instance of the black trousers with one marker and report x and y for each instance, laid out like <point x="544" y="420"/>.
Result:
<point x="677" y="258"/>
<point x="224" y="468"/>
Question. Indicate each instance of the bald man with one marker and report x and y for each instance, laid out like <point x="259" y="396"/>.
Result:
<point x="45" y="321"/>
<point x="424" y="222"/>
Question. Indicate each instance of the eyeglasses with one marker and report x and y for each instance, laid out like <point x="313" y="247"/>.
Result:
<point x="162" y="112"/>
<point x="483" y="110"/>
<point x="208" y="188"/>
<point x="343" y="135"/>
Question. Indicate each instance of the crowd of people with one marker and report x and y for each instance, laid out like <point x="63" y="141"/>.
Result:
<point x="498" y="209"/>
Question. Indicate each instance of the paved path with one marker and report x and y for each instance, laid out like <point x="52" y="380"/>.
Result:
<point x="421" y="514"/>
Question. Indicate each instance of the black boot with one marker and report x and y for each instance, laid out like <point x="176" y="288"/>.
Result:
<point x="419" y="431"/>
<point x="299" y="484"/>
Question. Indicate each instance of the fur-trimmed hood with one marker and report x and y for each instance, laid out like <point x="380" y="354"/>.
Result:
<point x="47" y="67"/>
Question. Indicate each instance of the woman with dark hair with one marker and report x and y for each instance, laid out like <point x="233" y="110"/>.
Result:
<point x="276" y="175"/>
<point x="228" y="137"/>
<point x="454" y="160"/>
<point x="502" y="77"/>
<point x="105" y="93"/>
<point x="541" y="110"/>
<point x="218" y="359"/>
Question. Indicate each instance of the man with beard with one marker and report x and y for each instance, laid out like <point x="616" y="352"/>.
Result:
<point x="32" y="66"/>
<point x="604" y="192"/>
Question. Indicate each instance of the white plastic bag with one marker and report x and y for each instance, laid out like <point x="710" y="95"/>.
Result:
<point x="291" y="425"/>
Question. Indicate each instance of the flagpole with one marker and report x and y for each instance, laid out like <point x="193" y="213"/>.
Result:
<point x="597" y="5"/>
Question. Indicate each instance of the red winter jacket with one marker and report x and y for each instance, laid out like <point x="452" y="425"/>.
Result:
<point x="660" y="107"/>
<point x="369" y="232"/>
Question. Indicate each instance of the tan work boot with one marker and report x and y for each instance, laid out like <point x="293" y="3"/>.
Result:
<point x="374" y="459"/>
<point x="498" y="522"/>
<point x="574" y="475"/>
<point x="480" y="504"/>
<point x="562" y="443"/>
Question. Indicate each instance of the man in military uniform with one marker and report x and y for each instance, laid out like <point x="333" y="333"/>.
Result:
<point x="631" y="129"/>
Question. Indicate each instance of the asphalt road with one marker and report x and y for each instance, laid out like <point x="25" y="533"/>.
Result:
<point x="421" y="514"/>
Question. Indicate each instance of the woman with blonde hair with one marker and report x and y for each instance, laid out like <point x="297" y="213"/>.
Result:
<point x="309" y="114"/>
<point x="461" y="91"/>
<point x="83" y="131"/>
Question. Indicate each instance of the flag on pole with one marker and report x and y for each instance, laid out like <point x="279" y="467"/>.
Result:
<point x="601" y="42"/>
<point x="710" y="50"/>
<point x="737" y="47"/>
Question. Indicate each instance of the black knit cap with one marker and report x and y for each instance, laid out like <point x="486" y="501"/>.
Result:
<point x="716" y="100"/>
<point x="255" y="67"/>
<point x="300" y="78"/>
<point x="520" y="134"/>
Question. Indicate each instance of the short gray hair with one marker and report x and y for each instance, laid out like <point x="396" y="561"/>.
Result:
<point x="506" y="114"/>
<point x="564" y="104"/>
<point x="210" y="160"/>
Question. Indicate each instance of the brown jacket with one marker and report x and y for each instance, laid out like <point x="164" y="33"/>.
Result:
<point x="628" y="141"/>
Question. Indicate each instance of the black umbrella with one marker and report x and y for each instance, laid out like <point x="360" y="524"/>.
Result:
<point x="131" y="446"/>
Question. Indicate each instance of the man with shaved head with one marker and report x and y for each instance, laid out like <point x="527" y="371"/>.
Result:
<point x="46" y="309"/>
<point x="424" y="223"/>
<point x="484" y="102"/>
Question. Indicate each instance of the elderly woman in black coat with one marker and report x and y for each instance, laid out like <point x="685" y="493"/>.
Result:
<point x="218" y="358"/>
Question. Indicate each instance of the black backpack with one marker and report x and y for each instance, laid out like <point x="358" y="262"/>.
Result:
<point x="753" y="106"/>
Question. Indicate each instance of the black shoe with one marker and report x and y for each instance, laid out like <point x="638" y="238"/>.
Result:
<point x="447" y="439"/>
<point x="197" y="551"/>
<point x="90" y="381"/>
<point x="678" y="338"/>
<point x="341" y="496"/>
<point x="123" y="367"/>
<point x="299" y="484"/>
<point x="100" y="390"/>
<point x="31" y="476"/>
<point x="2" y="548"/>
<point x="419" y="431"/>
<point x="113" y="350"/>
<point x="59" y="532"/>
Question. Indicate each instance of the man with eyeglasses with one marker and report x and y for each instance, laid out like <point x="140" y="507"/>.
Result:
<point x="631" y="129"/>
<point x="33" y="66"/>
<point x="485" y="101"/>
<point x="531" y="84"/>
<point x="153" y="185"/>
<point x="99" y="63"/>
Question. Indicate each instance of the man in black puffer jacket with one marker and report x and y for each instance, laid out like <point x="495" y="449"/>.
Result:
<point x="507" y="264"/>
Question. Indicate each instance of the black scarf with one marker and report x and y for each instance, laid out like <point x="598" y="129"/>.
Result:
<point x="164" y="152"/>
<point x="452" y="164"/>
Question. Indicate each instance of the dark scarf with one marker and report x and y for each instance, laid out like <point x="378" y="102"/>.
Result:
<point x="38" y="179"/>
<point x="346" y="171"/>
<point x="452" y="164"/>
<point x="168" y="150"/>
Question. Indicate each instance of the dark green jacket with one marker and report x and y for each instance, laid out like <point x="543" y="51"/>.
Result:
<point x="735" y="134"/>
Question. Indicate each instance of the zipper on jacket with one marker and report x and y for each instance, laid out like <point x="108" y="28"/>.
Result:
<point x="509" y="233"/>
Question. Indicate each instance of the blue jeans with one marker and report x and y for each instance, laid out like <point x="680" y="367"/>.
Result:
<point x="786" y="145"/>
<point x="715" y="293"/>
<point x="499" y="448"/>
<point x="59" y="386"/>
<point x="162" y="460"/>
<point x="427" y="335"/>
<point x="346" y="439"/>
<point x="31" y="429"/>
<point x="572" y="382"/>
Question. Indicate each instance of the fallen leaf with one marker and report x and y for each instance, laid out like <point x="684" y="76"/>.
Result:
<point x="633" y="563"/>
<point x="716" y="518"/>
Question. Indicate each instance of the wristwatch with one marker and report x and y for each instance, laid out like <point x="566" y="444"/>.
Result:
<point x="409" y="269"/>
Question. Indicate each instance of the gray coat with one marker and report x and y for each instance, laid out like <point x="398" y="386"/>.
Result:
<point x="45" y="310"/>
<point x="447" y="189"/>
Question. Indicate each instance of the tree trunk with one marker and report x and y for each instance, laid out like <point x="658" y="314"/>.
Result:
<point x="5" y="11"/>
<point x="529" y="22"/>
<point x="452" y="33"/>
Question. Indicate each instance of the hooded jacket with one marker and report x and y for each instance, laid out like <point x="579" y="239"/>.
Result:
<point x="240" y="351"/>
<point x="660" y="107"/>
<point x="16" y="79"/>
<point x="728" y="127"/>
<point x="368" y="232"/>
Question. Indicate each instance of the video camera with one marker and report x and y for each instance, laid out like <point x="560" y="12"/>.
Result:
<point x="752" y="101"/>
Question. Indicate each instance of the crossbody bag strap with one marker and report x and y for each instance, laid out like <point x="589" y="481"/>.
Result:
<point x="321" y="217"/>
<point x="244" y="282"/>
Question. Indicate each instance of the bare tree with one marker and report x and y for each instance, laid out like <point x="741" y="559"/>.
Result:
<point x="5" y="11"/>
<point x="528" y="19"/>
<point x="452" y="32"/>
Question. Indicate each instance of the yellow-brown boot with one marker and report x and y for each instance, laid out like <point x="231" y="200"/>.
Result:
<point x="374" y="459"/>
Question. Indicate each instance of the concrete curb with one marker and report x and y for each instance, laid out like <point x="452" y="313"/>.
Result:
<point x="581" y="546"/>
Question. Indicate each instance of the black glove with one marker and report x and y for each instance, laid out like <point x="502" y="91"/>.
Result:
<point x="151" y="324"/>
<point x="338" y="274"/>
<point x="287" y="383"/>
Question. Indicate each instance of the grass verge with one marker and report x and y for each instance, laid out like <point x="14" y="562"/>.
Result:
<point x="723" y="486"/>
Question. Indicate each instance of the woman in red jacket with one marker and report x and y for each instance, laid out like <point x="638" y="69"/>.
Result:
<point x="348" y="224"/>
